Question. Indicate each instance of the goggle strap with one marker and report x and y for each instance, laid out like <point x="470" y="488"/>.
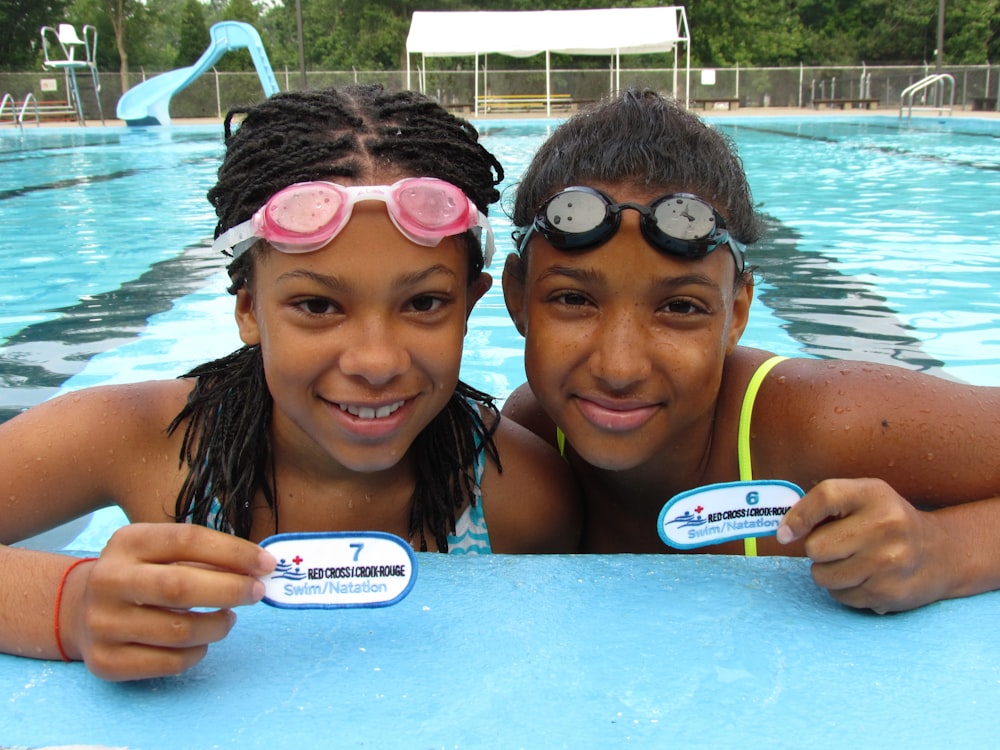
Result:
<point x="236" y="240"/>
<point x="488" y="244"/>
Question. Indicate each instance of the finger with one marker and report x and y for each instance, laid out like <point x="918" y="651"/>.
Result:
<point x="166" y="543"/>
<point x="165" y="628"/>
<point x="839" y="575"/>
<point x="140" y="662"/>
<point x="860" y="597"/>
<point x="821" y="504"/>
<point x="178" y="586"/>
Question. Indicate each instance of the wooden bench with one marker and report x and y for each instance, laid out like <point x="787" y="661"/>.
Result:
<point x="731" y="103"/>
<point x="521" y="102"/>
<point x="846" y="103"/>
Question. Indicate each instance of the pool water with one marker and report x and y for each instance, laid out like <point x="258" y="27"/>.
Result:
<point x="882" y="244"/>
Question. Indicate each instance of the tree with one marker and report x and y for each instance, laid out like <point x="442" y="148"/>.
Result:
<point x="119" y="13"/>
<point x="745" y="32"/>
<point x="21" y="20"/>
<point x="970" y="28"/>
<point x="194" y="36"/>
<point x="341" y="34"/>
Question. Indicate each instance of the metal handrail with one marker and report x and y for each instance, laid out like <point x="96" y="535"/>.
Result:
<point x="3" y="106"/>
<point x="17" y="118"/>
<point x="29" y="98"/>
<point x="938" y="80"/>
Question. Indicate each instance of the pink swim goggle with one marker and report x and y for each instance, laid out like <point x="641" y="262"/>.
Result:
<point x="304" y="217"/>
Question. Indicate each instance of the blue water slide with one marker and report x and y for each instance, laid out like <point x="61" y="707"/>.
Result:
<point x="149" y="102"/>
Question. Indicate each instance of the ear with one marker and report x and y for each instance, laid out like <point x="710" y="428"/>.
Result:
<point x="246" y="318"/>
<point x="477" y="289"/>
<point x="742" y="298"/>
<point x="513" y="291"/>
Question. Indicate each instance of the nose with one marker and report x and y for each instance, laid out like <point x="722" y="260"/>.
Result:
<point x="619" y="358"/>
<point x="374" y="352"/>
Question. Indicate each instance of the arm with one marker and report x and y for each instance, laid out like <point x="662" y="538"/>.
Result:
<point x="874" y="446"/>
<point x="127" y="615"/>
<point x="534" y="505"/>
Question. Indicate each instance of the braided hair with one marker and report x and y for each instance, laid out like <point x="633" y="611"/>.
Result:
<point x="315" y="135"/>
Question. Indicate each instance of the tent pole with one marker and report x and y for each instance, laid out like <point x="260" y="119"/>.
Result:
<point x="687" y="52"/>
<point x="548" y="85"/>
<point x="674" y="92"/>
<point x="683" y="35"/>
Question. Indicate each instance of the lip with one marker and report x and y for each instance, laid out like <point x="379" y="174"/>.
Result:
<point x="615" y="415"/>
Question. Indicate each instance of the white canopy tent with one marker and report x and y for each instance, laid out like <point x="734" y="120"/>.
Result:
<point x="613" y="32"/>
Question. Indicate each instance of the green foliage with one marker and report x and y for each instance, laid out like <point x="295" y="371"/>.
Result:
<point x="21" y="21"/>
<point x="365" y="34"/>
<point x="194" y="37"/>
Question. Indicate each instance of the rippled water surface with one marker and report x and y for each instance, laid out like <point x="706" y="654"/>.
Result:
<point x="882" y="244"/>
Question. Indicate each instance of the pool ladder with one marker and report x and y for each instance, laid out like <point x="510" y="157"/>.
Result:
<point x="939" y="82"/>
<point x="17" y="117"/>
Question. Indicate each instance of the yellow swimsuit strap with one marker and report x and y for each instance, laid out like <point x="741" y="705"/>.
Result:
<point x="743" y="435"/>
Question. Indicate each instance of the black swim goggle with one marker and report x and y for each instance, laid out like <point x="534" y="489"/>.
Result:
<point x="682" y="224"/>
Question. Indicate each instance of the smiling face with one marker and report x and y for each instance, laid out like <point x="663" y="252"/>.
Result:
<point x="625" y="345"/>
<point x="361" y="340"/>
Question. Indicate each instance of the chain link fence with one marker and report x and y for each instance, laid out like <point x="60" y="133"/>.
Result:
<point x="977" y="87"/>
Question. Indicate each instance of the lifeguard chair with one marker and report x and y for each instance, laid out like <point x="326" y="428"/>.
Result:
<point x="65" y="50"/>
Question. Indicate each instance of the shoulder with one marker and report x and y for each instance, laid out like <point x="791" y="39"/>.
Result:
<point x="90" y="448"/>
<point x="117" y="410"/>
<point x="123" y="409"/>
<point x="523" y="408"/>
<point x="804" y="385"/>
<point x="818" y="419"/>
<point x="534" y="504"/>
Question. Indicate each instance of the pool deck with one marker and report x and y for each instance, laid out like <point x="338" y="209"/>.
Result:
<point x="647" y="651"/>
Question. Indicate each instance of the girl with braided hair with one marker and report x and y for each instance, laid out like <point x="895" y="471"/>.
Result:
<point x="356" y="223"/>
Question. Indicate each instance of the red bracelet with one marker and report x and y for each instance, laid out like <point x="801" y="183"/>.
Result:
<point x="59" y="593"/>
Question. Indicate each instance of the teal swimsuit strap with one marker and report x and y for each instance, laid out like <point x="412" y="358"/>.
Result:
<point x="743" y="434"/>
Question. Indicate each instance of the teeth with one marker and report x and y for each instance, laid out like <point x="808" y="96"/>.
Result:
<point x="367" y="412"/>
